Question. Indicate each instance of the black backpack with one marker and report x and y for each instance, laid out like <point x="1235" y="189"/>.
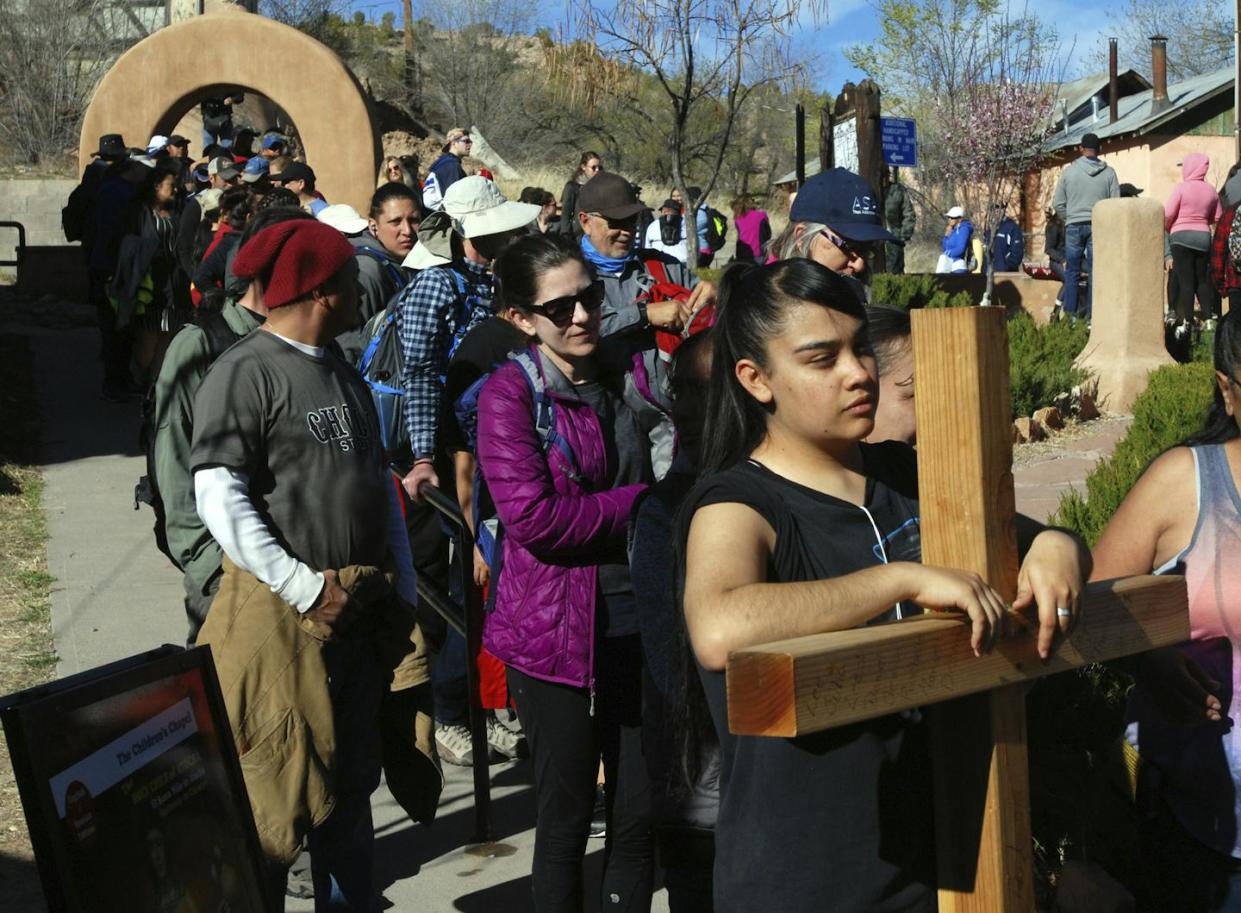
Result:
<point x="717" y="228"/>
<point x="219" y="337"/>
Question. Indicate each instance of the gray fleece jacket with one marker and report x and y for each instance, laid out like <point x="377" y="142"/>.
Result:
<point x="1084" y="183"/>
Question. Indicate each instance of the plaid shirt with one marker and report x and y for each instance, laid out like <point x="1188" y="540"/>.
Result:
<point x="431" y="317"/>
<point x="1223" y="269"/>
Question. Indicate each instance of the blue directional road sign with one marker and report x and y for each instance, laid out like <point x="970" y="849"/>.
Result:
<point x="899" y="138"/>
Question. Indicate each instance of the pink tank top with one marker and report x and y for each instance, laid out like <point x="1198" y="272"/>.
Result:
<point x="1199" y="767"/>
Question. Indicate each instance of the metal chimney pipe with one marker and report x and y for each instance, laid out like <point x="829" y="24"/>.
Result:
<point x="1159" y="73"/>
<point x="1113" y="82"/>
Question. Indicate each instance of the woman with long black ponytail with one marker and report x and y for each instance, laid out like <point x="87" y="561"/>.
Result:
<point x="1184" y="517"/>
<point x="799" y="527"/>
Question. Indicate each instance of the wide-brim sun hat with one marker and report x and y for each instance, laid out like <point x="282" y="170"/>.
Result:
<point x="344" y="218"/>
<point x="477" y="207"/>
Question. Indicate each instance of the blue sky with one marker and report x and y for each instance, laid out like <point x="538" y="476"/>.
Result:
<point x="856" y="22"/>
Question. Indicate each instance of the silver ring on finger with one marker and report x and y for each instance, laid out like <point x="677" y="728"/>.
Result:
<point x="1062" y="612"/>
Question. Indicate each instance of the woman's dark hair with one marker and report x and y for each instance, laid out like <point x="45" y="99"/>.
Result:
<point x="536" y="196"/>
<point x="278" y="198"/>
<point x="890" y="329"/>
<point x="1220" y="426"/>
<point x="519" y="268"/>
<point x="689" y="379"/>
<point x="754" y="304"/>
<point x="236" y="206"/>
<point x="151" y="180"/>
<point x="393" y="190"/>
<point x="581" y="162"/>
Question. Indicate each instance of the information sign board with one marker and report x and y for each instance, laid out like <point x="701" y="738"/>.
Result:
<point x="899" y="138"/>
<point x="132" y="789"/>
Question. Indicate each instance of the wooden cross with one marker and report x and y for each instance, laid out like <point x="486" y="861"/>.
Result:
<point x="978" y="731"/>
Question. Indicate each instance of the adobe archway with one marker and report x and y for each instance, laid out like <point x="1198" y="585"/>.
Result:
<point x="163" y="76"/>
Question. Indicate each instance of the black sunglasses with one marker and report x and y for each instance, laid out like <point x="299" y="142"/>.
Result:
<point x="560" y="310"/>
<point x="851" y="249"/>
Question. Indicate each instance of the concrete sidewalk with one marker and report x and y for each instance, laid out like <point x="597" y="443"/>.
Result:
<point x="115" y="595"/>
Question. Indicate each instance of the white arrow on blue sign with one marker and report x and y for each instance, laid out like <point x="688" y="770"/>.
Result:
<point x="899" y="138"/>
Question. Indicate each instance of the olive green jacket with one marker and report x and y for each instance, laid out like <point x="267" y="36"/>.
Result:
<point x="181" y="374"/>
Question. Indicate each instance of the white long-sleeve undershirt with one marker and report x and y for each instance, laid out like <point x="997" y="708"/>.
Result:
<point x="222" y="496"/>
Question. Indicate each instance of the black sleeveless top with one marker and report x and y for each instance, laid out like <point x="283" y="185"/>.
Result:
<point x="839" y="820"/>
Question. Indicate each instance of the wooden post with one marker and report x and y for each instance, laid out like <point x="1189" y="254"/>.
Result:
<point x="965" y="491"/>
<point x="801" y="145"/>
<point x="866" y="99"/>
<point x="827" y="139"/>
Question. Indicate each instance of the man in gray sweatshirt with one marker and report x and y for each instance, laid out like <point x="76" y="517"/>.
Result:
<point x="1082" y="184"/>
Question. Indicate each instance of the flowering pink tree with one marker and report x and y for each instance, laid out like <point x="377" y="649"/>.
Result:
<point x="991" y="131"/>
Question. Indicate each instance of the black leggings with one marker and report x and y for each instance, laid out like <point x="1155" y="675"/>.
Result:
<point x="565" y="745"/>
<point x="1193" y="276"/>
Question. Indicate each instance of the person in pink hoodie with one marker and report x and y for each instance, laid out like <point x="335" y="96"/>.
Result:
<point x="1188" y="216"/>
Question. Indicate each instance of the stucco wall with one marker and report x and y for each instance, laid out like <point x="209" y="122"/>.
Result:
<point x="158" y="80"/>
<point x="1149" y="162"/>
<point x="36" y="204"/>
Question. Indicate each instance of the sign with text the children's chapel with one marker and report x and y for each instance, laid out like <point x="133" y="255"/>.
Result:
<point x="132" y="789"/>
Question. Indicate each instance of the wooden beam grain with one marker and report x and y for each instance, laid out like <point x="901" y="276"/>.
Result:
<point x="967" y="506"/>
<point x="795" y="687"/>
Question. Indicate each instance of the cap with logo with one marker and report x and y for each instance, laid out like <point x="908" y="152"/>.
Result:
<point x="841" y="200"/>
<point x="255" y="170"/>
<point x="223" y="167"/>
<point x="610" y="196"/>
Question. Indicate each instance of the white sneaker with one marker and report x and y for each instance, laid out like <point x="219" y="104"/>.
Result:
<point x="453" y="741"/>
<point x="504" y="741"/>
<point x="508" y="719"/>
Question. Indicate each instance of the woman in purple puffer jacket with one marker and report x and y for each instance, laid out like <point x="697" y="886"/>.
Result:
<point x="564" y="620"/>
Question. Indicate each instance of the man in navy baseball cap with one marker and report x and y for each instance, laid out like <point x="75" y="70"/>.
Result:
<point x="834" y="220"/>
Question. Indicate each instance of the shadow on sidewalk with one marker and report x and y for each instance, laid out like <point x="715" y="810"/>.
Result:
<point x="19" y="885"/>
<point x="77" y="422"/>
<point x="401" y="852"/>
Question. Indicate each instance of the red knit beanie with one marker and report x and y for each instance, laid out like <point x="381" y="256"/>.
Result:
<point x="292" y="259"/>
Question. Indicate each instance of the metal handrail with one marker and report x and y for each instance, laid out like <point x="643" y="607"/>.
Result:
<point x="21" y="248"/>
<point x="466" y="618"/>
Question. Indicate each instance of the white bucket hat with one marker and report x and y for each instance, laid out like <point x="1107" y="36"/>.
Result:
<point x="477" y="207"/>
<point x="344" y="218"/>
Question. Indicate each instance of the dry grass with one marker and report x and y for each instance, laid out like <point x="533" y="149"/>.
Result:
<point x="27" y="657"/>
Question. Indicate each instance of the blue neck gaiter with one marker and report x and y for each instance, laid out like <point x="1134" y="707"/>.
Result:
<point x="600" y="262"/>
